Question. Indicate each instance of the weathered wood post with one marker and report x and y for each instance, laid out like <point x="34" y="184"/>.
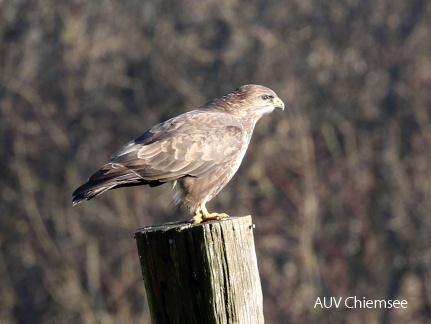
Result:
<point x="204" y="273"/>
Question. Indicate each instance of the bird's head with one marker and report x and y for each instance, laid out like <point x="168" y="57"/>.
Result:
<point x="251" y="101"/>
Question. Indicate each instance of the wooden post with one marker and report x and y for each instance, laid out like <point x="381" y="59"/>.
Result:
<point x="204" y="273"/>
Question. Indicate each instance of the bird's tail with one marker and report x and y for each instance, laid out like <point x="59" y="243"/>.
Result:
<point x="110" y="176"/>
<point x="90" y="190"/>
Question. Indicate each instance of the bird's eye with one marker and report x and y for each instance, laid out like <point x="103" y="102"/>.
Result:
<point x="266" y="97"/>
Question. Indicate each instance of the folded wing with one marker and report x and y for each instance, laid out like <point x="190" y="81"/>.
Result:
<point x="190" y="145"/>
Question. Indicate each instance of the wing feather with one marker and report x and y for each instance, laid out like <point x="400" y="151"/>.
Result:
<point x="190" y="144"/>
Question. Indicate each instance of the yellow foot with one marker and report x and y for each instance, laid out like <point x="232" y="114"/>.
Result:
<point x="196" y="219"/>
<point x="199" y="218"/>
<point x="214" y="216"/>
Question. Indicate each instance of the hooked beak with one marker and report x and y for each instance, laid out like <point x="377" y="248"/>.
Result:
<point x="278" y="103"/>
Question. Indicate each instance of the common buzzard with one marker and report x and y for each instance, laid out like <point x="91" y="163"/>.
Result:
<point x="199" y="151"/>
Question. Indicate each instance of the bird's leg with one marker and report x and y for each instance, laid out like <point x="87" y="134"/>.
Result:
<point x="202" y="215"/>
<point x="197" y="218"/>
<point x="207" y="216"/>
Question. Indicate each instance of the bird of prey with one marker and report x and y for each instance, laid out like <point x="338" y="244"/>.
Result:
<point x="198" y="151"/>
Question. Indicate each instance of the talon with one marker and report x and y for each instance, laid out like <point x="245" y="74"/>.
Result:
<point x="202" y="215"/>
<point x="215" y="216"/>
<point x="197" y="218"/>
<point x="206" y="216"/>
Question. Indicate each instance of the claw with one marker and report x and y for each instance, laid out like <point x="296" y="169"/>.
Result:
<point x="197" y="218"/>
<point x="202" y="215"/>
<point x="214" y="216"/>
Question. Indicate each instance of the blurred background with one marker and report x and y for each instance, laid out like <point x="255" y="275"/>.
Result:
<point x="339" y="185"/>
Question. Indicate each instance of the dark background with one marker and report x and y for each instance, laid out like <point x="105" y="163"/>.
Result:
<point x="339" y="185"/>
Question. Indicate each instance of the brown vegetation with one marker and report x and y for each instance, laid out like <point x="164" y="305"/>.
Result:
<point x="339" y="185"/>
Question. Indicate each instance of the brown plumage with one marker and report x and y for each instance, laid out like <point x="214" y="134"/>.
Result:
<point x="198" y="151"/>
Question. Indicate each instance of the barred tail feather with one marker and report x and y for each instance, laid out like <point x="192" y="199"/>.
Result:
<point x="108" y="178"/>
<point x="88" y="191"/>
